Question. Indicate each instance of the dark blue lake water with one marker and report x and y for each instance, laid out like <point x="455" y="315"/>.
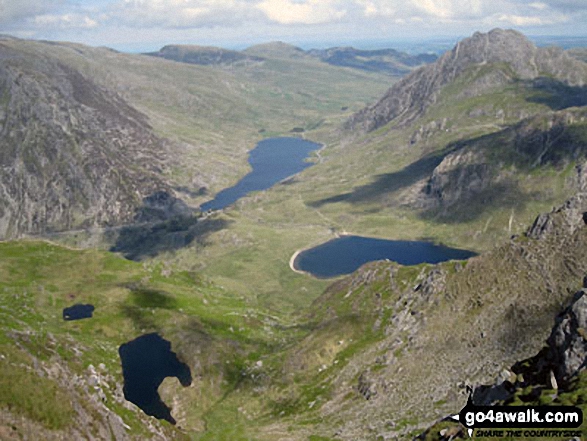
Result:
<point x="346" y="254"/>
<point x="78" y="312"/>
<point x="273" y="160"/>
<point x="146" y="362"/>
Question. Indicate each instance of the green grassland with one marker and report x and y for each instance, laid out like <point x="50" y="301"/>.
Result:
<point x="209" y="328"/>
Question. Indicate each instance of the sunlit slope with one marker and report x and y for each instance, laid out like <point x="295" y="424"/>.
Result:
<point x="63" y="379"/>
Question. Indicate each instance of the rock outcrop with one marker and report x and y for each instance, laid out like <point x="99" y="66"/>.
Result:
<point x="72" y="154"/>
<point x="489" y="167"/>
<point x="568" y="340"/>
<point x="555" y="366"/>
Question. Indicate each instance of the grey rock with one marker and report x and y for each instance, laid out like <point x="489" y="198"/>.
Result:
<point x="72" y="154"/>
<point x="568" y="340"/>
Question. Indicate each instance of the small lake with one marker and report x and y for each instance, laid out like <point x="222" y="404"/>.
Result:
<point x="146" y="362"/>
<point x="78" y="312"/>
<point x="272" y="160"/>
<point x="346" y="254"/>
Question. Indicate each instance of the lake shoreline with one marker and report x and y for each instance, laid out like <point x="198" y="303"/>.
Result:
<point x="346" y="253"/>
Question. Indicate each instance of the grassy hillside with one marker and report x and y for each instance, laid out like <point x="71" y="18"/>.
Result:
<point x="56" y="374"/>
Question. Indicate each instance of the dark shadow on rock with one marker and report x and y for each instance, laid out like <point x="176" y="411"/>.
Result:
<point x="146" y="362"/>
<point x="161" y="206"/>
<point x="556" y="94"/>
<point x="389" y="182"/>
<point x="463" y="193"/>
<point x="202" y="191"/>
<point x="137" y="242"/>
<point x="506" y="194"/>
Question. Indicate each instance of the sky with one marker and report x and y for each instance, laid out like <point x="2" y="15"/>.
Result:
<point x="143" y="25"/>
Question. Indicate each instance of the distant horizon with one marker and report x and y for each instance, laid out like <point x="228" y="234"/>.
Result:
<point x="432" y="44"/>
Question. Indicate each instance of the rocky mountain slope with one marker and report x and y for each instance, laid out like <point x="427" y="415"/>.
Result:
<point x="556" y="375"/>
<point x="493" y="169"/>
<point x="517" y="58"/>
<point x="73" y="154"/>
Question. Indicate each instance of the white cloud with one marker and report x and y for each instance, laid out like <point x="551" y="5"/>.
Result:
<point x="283" y="19"/>
<point x="435" y="8"/>
<point x="538" y="5"/>
<point x="180" y="14"/>
<point x="407" y="10"/>
<point x="306" y="12"/>
<point x="530" y="20"/>
<point x="65" y="21"/>
<point x="370" y="9"/>
<point x="15" y="10"/>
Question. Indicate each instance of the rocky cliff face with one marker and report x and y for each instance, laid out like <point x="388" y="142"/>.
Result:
<point x="409" y="99"/>
<point x="567" y="343"/>
<point x="479" y="168"/>
<point x="72" y="154"/>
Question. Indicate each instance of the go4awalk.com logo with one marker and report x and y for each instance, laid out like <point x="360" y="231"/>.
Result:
<point x="521" y="421"/>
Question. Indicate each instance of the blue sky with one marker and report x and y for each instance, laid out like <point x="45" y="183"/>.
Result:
<point x="149" y="24"/>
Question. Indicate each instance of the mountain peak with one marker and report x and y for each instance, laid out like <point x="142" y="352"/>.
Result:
<point x="408" y="99"/>
<point x="203" y="55"/>
<point x="276" y="49"/>
<point x="497" y="45"/>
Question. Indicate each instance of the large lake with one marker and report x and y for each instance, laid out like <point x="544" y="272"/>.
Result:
<point x="273" y="160"/>
<point x="346" y="254"/>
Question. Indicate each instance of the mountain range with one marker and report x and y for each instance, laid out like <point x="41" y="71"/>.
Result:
<point x="388" y="61"/>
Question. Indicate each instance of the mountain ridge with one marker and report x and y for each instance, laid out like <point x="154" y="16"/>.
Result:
<point x="407" y="100"/>
<point x="203" y="55"/>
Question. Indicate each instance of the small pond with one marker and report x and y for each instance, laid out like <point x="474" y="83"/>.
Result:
<point x="346" y="254"/>
<point x="146" y="362"/>
<point x="78" y="312"/>
<point x="272" y="160"/>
